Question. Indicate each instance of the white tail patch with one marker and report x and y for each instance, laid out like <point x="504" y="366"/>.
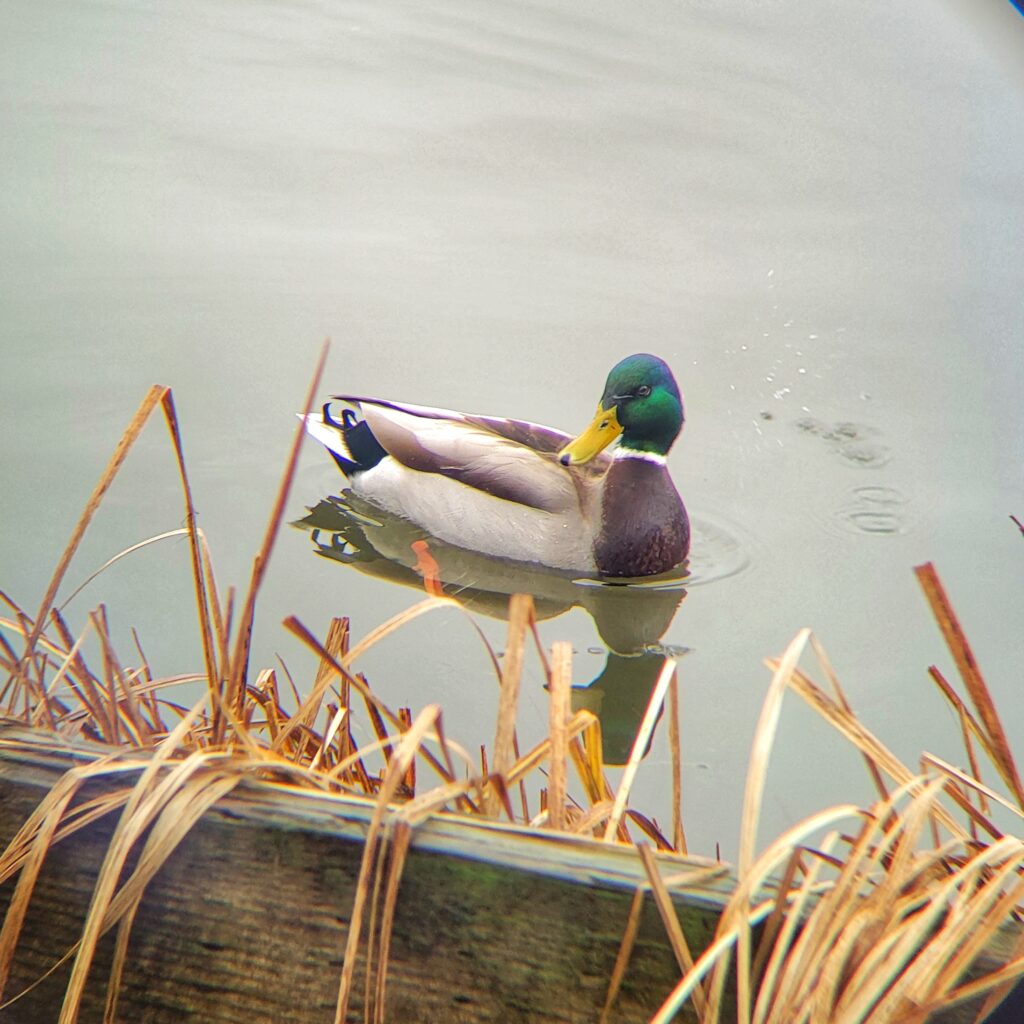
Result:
<point x="329" y="436"/>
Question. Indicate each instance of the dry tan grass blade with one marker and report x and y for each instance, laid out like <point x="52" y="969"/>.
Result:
<point x="643" y="736"/>
<point x="155" y="394"/>
<point x="46" y="704"/>
<point x="826" y="666"/>
<point x="680" y="947"/>
<point x="624" y="954"/>
<point x="372" y="701"/>
<point x="520" y="614"/>
<point x="846" y="723"/>
<point x="764" y="740"/>
<point x="395" y="772"/>
<point x="401" y="839"/>
<point x="198" y="577"/>
<point x="996" y="985"/>
<point x="179" y="815"/>
<point x="41" y="827"/>
<point x="396" y="622"/>
<point x="969" y="671"/>
<point x="558" y="721"/>
<point x="833" y="926"/>
<point x="678" y="834"/>
<point x="243" y="638"/>
<point x="742" y="914"/>
<point x="718" y="950"/>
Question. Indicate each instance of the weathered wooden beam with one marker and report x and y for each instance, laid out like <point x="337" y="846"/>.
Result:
<point x="247" y="920"/>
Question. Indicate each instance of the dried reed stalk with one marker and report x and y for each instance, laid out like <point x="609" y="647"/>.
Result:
<point x="155" y="395"/>
<point x="559" y="702"/>
<point x="235" y="682"/>
<point x="643" y="737"/>
<point x="680" y="947"/>
<point x="993" y="735"/>
<point x="678" y="835"/>
<point x="624" y="954"/>
<point x="396" y="769"/>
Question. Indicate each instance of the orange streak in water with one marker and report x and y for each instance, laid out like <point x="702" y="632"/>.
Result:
<point x="427" y="567"/>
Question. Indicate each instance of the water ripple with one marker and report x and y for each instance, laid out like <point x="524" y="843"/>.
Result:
<point x="717" y="551"/>
<point x="874" y="511"/>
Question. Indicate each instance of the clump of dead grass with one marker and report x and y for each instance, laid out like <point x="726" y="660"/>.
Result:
<point x="880" y="914"/>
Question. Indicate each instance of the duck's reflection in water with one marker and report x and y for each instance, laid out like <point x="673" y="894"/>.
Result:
<point x="631" y="618"/>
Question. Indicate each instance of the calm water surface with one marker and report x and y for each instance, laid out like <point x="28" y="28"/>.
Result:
<point x="813" y="212"/>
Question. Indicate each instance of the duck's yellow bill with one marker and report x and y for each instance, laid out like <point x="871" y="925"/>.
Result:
<point x="604" y="428"/>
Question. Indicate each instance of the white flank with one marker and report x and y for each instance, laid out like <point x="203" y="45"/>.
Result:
<point x="469" y="518"/>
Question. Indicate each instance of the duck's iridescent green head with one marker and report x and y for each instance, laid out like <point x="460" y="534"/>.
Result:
<point x="641" y="403"/>
<point x="648" y="405"/>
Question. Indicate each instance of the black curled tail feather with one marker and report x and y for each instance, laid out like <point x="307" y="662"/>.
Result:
<point x="364" y="450"/>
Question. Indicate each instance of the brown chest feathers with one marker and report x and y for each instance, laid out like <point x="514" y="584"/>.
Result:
<point x="644" y="526"/>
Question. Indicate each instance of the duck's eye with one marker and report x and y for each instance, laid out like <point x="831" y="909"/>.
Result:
<point x="643" y="391"/>
<point x="604" y="425"/>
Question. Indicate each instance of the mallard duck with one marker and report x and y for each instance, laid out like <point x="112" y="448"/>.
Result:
<point x="518" y="490"/>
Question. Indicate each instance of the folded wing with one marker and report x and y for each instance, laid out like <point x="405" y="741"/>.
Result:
<point x="509" y="459"/>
